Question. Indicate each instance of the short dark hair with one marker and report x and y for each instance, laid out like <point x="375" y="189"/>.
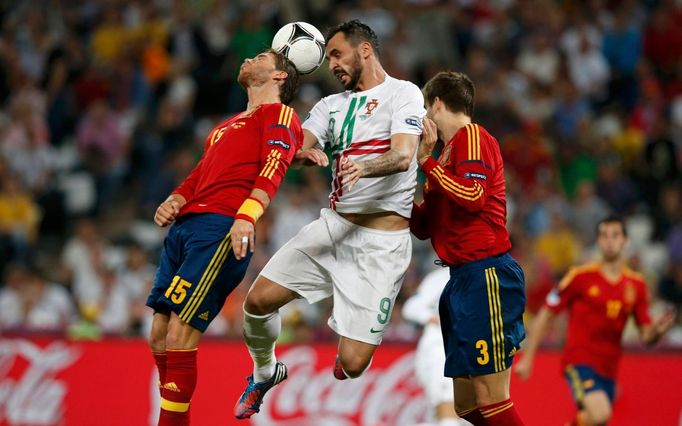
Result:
<point x="355" y="32"/>
<point x="455" y="89"/>
<point x="290" y="86"/>
<point x="612" y="218"/>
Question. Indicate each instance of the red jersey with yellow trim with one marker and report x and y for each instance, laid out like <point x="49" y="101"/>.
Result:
<point x="244" y="152"/>
<point x="464" y="210"/>
<point x="598" y="311"/>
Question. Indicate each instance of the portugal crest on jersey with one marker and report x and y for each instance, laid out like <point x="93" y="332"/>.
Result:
<point x="369" y="106"/>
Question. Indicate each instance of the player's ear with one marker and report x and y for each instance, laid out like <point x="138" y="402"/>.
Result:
<point x="437" y="103"/>
<point x="280" y="75"/>
<point x="365" y="49"/>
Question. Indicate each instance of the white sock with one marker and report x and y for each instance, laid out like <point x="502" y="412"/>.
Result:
<point x="260" y="334"/>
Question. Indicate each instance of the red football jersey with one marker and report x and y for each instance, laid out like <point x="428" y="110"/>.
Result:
<point x="464" y="210"/>
<point x="244" y="152"/>
<point x="598" y="311"/>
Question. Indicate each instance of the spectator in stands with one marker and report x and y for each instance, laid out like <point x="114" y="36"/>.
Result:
<point x="28" y="302"/>
<point x="103" y="145"/>
<point x="19" y="220"/>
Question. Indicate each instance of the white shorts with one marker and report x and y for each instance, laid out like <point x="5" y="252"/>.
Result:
<point x="430" y="366"/>
<point x="362" y="268"/>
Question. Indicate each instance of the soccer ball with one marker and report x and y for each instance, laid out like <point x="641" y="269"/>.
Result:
<point x="302" y="43"/>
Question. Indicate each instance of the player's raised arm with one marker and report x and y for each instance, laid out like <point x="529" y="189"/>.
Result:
<point x="465" y="179"/>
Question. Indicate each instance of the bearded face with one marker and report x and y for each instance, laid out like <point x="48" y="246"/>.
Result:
<point x="256" y="71"/>
<point x="349" y="75"/>
<point x="344" y="61"/>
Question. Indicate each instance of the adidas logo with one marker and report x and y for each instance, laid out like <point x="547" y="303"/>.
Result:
<point x="204" y="316"/>
<point x="513" y="352"/>
<point x="171" y="386"/>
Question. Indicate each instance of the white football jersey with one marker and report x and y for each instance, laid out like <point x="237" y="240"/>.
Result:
<point x="359" y="125"/>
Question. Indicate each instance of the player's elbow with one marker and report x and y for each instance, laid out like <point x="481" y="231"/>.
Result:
<point x="474" y="206"/>
<point x="418" y="230"/>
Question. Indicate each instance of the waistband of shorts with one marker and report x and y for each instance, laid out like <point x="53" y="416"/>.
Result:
<point x="345" y="221"/>
<point x="218" y="217"/>
<point x="482" y="263"/>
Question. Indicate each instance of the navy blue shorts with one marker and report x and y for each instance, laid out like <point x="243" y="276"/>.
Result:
<point x="583" y="379"/>
<point x="481" y="313"/>
<point x="197" y="270"/>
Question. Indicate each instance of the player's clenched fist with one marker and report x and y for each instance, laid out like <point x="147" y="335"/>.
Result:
<point x="168" y="210"/>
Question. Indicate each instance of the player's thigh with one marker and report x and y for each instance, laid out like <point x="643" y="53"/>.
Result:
<point x="181" y="335"/>
<point x="302" y="266"/>
<point x="491" y="388"/>
<point x="597" y="407"/>
<point x="371" y="267"/>
<point x="465" y="395"/>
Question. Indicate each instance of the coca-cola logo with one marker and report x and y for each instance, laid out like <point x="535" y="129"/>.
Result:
<point x="29" y="393"/>
<point x="388" y="397"/>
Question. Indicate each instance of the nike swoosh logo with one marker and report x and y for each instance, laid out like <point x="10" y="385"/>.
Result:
<point x="334" y="112"/>
<point x="372" y="330"/>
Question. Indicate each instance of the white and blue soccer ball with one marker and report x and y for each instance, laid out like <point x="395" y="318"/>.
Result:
<point x="302" y="44"/>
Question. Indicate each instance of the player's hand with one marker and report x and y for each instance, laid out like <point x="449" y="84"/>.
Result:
<point x="428" y="140"/>
<point x="311" y="157"/>
<point x="665" y="322"/>
<point x="351" y="172"/>
<point x="243" y="238"/>
<point x="167" y="212"/>
<point x="524" y="367"/>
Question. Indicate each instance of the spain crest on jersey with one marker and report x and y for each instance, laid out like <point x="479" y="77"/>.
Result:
<point x="630" y="294"/>
<point x="444" y="158"/>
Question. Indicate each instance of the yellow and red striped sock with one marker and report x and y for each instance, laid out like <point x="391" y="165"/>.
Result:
<point x="176" y="392"/>
<point x="501" y="413"/>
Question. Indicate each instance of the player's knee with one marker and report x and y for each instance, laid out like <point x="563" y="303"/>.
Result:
<point x="354" y="366"/>
<point x="598" y="416"/>
<point x="258" y="303"/>
<point x="464" y="408"/>
<point x="157" y="342"/>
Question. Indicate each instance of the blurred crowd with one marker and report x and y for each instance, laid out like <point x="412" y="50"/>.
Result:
<point x="106" y="103"/>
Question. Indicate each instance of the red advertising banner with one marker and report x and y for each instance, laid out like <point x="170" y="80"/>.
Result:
<point x="113" y="383"/>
